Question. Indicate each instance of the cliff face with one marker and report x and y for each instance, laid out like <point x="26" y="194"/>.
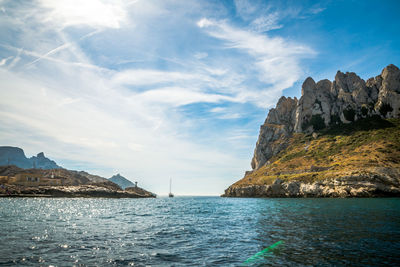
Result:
<point x="346" y="104"/>
<point x="279" y="125"/>
<point x="15" y="156"/>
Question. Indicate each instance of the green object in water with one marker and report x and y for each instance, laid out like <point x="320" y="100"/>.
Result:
<point x="262" y="253"/>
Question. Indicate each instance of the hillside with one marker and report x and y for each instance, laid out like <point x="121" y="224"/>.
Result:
<point x="17" y="182"/>
<point x="345" y="155"/>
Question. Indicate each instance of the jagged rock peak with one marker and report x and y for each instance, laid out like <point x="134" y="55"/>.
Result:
<point x="347" y="99"/>
<point x="40" y="155"/>
<point x="283" y="111"/>
<point x="308" y="86"/>
<point x="348" y="81"/>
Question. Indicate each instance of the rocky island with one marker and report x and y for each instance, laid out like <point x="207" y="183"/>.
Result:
<point x="41" y="177"/>
<point x="340" y="139"/>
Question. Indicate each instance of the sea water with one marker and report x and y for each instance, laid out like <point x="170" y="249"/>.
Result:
<point x="198" y="231"/>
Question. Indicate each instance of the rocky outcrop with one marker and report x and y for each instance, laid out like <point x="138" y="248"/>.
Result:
<point x="15" y="156"/>
<point x="347" y="99"/>
<point x="325" y="103"/>
<point x="377" y="183"/>
<point x="139" y="191"/>
<point x="279" y="125"/>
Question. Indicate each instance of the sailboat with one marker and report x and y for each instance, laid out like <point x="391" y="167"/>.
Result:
<point x="170" y="193"/>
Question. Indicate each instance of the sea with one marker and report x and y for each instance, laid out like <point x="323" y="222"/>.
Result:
<point x="199" y="231"/>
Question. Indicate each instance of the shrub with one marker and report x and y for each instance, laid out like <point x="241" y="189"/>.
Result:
<point x="335" y="119"/>
<point x="317" y="122"/>
<point x="349" y="114"/>
<point x="364" y="110"/>
<point x="385" y="108"/>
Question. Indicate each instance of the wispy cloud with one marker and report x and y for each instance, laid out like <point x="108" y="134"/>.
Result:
<point x="266" y="23"/>
<point x="276" y="59"/>
<point x="139" y="77"/>
<point x="317" y="10"/>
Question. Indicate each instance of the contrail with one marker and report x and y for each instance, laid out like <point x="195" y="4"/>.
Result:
<point x="61" y="47"/>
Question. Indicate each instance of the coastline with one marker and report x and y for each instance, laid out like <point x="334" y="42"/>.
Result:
<point x="356" y="186"/>
<point x="82" y="191"/>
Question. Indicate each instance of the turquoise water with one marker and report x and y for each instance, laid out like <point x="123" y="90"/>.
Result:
<point x="198" y="231"/>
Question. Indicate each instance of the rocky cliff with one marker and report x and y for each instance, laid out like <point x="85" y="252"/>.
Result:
<point x="347" y="106"/>
<point x="15" y="156"/>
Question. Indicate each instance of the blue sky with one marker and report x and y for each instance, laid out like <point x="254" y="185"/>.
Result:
<point x="172" y="89"/>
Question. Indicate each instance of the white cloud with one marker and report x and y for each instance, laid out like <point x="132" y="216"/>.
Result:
<point x="246" y="8"/>
<point x="93" y="13"/>
<point x="148" y="77"/>
<point x="176" y="96"/>
<point x="201" y="55"/>
<point x="266" y="23"/>
<point x="204" y="23"/>
<point x="217" y="110"/>
<point x="317" y="10"/>
<point x="225" y="114"/>
<point x="4" y="61"/>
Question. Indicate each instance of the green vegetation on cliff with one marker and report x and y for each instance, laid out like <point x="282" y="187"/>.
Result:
<point x="343" y="150"/>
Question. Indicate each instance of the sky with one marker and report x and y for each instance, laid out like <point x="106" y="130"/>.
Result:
<point x="160" y="89"/>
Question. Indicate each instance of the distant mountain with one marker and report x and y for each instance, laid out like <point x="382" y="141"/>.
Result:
<point x="15" y="156"/>
<point x="121" y="181"/>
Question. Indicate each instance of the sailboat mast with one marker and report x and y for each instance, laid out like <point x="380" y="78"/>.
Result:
<point x="170" y="182"/>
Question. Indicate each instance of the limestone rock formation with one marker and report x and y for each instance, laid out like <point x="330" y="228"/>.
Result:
<point x="278" y="125"/>
<point x="325" y="103"/>
<point x="356" y="156"/>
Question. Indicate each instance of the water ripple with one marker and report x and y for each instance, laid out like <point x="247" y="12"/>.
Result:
<point x="198" y="231"/>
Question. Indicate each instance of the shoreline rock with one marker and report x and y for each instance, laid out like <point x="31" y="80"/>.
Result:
<point x="385" y="184"/>
<point x="84" y="191"/>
